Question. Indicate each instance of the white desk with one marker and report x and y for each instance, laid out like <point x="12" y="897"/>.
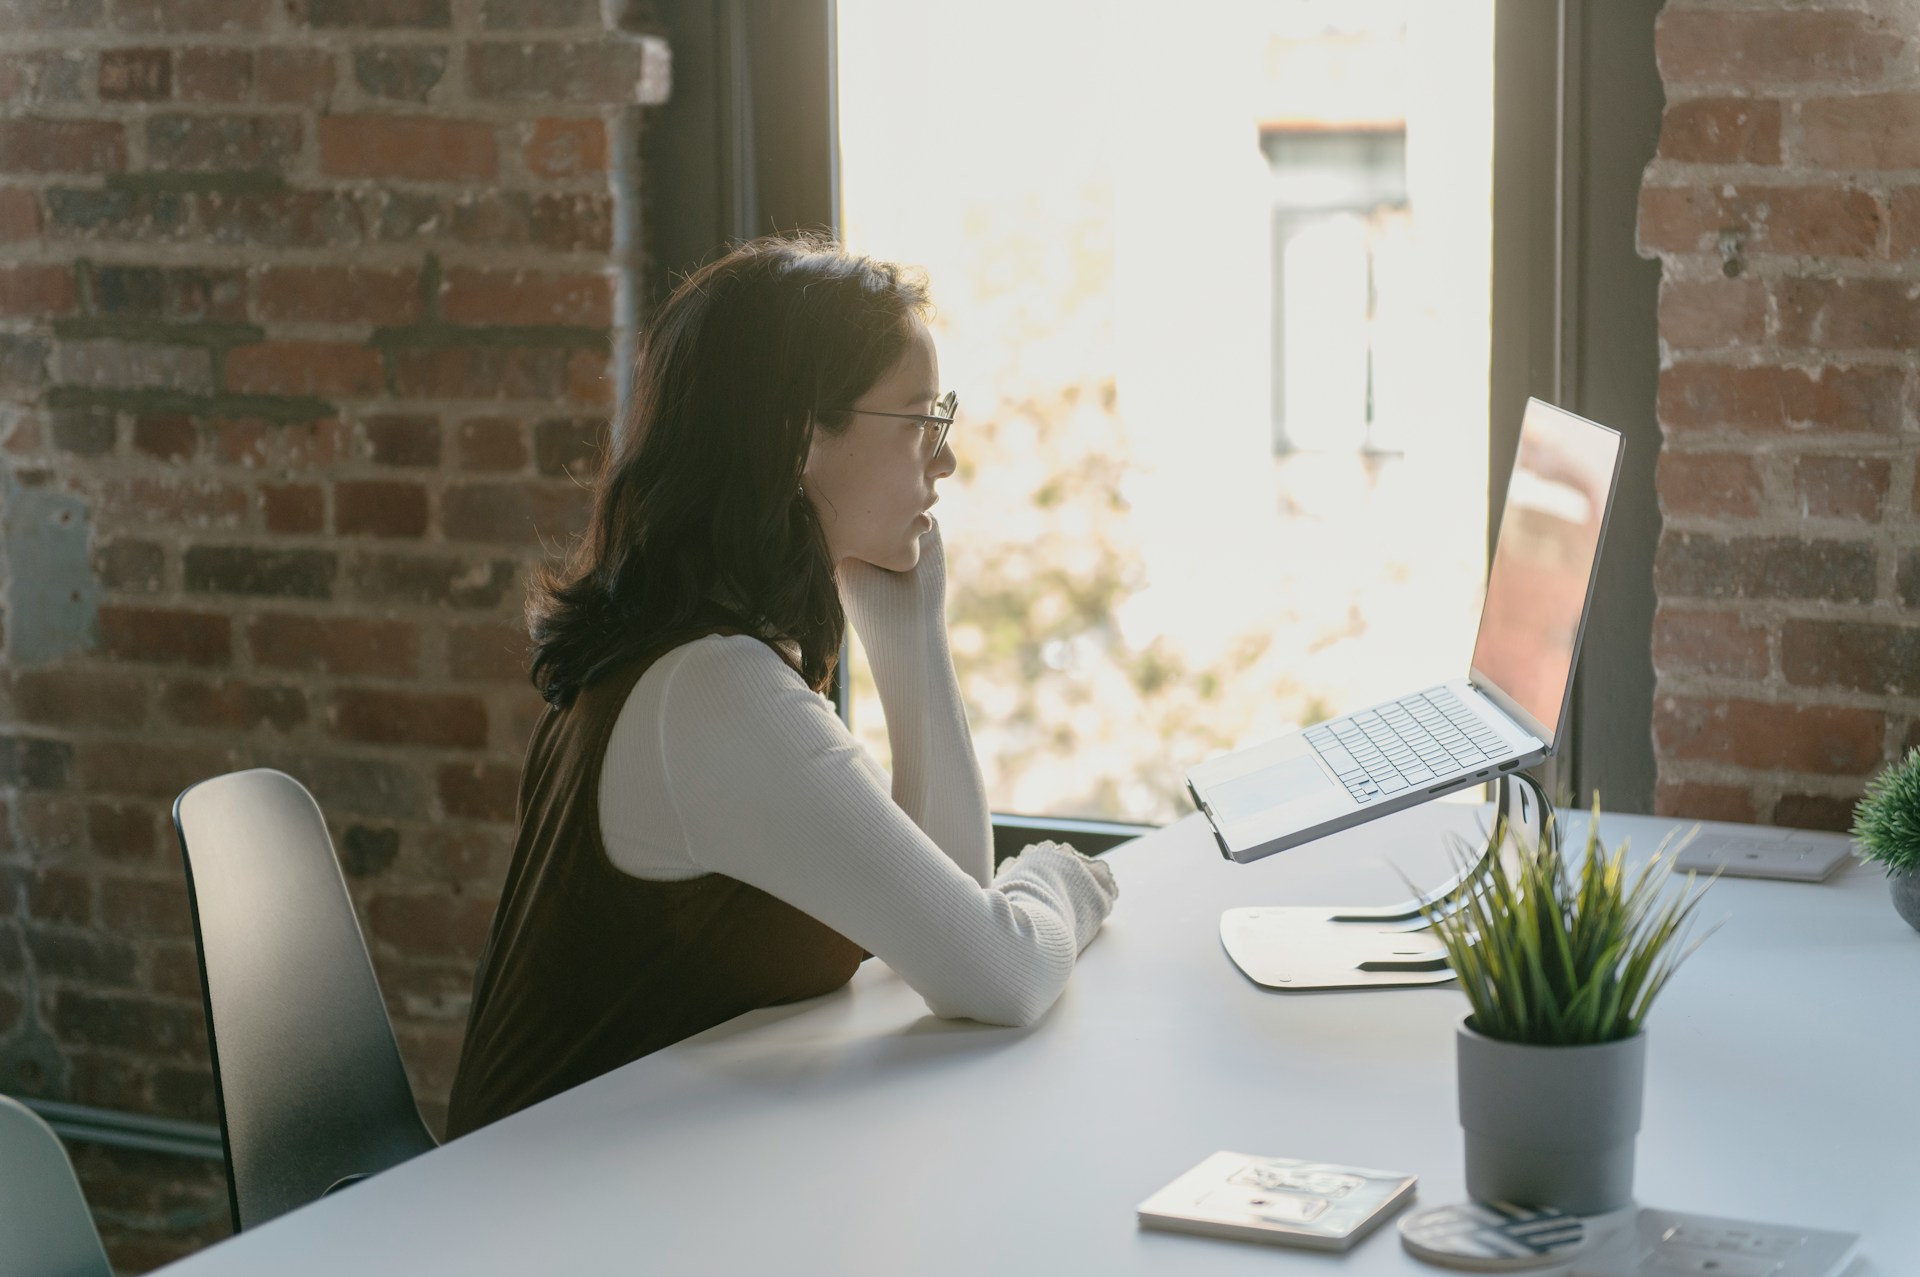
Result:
<point x="856" y="1134"/>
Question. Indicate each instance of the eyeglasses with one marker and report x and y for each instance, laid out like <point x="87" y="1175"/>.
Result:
<point x="940" y="420"/>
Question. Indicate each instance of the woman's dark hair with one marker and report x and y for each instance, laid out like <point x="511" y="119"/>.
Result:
<point x="699" y="507"/>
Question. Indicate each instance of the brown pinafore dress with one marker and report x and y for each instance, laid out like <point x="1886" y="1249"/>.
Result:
<point x="587" y="967"/>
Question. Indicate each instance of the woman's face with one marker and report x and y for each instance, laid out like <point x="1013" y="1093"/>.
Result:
<point x="872" y="484"/>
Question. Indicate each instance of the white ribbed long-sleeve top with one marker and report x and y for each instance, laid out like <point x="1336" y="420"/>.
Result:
<point x="723" y="761"/>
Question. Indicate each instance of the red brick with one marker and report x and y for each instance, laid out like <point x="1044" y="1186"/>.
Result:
<point x="19" y="214"/>
<point x="571" y="447"/>
<point x="299" y="77"/>
<point x="214" y="75"/>
<point x="144" y="907"/>
<point x="1713" y="644"/>
<point x="336" y="295"/>
<point x="62" y="146"/>
<point x="167" y="438"/>
<point x="381" y="14"/>
<point x="200" y="503"/>
<point x="1841" y="487"/>
<point x="1828" y="221"/>
<point x="523" y="297"/>
<point x="293" y="508"/>
<point x="603" y="70"/>
<point x="1695" y="565"/>
<point x="186" y="1094"/>
<point x="516" y="513"/>
<point x="1692" y="800"/>
<point x="1903" y="216"/>
<point x="304" y="368"/>
<point x="248" y="441"/>
<point x="197" y="294"/>
<point x="1853" y="656"/>
<point x="110" y="1083"/>
<point x="1876" y="131"/>
<point x="408" y="718"/>
<point x="257" y="571"/>
<point x="1848" y="314"/>
<point x="1753" y="49"/>
<point x="1713" y="484"/>
<point x="379" y="509"/>
<point x="1814" y="739"/>
<point x="432" y="580"/>
<point x="94" y="958"/>
<point x="174" y="968"/>
<point x="491" y="444"/>
<point x="479" y="791"/>
<point x="58" y="895"/>
<point x="480" y="372"/>
<point x="126" y="832"/>
<point x="156" y="769"/>
<point x="165" y="636"/>
<point x="223" y="143"/>
<point x="488" y="653"/>
<point x="126" y="564"/>
<point x="135" y="365"/>
<point x="588" y="377"/>
<point x="1814" y="811"/>
<point x="37" y="292"/>
<point x="561" y="149"/>
<point x="1833" y="399"/>
<point x="417" y="148"/>
<point x="178" y="17"/>
<point x="232" y="706"/>
<point x="402" y="439"/>
<point x="334" y="645"/>
<point x="437" y="925"/>
<point x="135" y="75"/>
<point x="51" y="827"/>
<point x="1712" y="313"/>
<point x="79" y="698"/>
<point x="130" y="1023"/>
<point x="282" y="218"/>
<point x="1721" y="131"/>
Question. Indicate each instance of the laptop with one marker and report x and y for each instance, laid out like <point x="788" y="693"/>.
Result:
<point x="1509" y="710"/>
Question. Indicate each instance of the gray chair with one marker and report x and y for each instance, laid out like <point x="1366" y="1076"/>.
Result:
<point x="306" y="1072"/>
<point x="45" y="1230"/>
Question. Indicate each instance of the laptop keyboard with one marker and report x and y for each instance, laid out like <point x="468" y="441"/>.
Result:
<point x="1425" y="737"/>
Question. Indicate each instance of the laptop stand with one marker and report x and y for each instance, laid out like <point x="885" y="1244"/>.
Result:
<point x="1297" y="947"/>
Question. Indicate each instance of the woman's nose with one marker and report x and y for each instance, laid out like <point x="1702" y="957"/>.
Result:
<point x="944" y="462"/>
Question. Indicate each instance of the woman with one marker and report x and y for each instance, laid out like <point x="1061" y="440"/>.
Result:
<point x="698" y="834"/>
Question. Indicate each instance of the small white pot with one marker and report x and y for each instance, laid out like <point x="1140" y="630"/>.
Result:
<point x="1551" y="1125"/>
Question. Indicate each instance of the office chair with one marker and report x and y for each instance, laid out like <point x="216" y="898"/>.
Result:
<point x="306" y="1072"/>
<point x="45" y="1230"/>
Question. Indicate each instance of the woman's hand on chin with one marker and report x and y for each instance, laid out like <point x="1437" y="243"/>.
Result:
<point x="861" y="580"/>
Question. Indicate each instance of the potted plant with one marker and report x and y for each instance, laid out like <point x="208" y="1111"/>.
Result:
<point x="1560" y="966"/>
<point x="1886" y="824"/>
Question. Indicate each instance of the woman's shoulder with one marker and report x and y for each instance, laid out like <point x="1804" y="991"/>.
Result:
<point x="729" y="665"/>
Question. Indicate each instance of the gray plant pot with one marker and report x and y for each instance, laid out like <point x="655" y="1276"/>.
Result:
<point x="1551" y="1125"/>
<point x="1905" y="890"/>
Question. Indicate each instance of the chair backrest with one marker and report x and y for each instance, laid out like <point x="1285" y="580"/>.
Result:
<point x="306" y="1072"/>
<point x="45" y="1230"/>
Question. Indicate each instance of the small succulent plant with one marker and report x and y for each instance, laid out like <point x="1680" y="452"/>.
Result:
<point x="1886" y="822"/>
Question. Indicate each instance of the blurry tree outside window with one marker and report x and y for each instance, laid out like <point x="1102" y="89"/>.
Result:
<point x="1212" y="286"/>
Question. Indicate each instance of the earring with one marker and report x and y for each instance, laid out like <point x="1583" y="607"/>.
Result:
<point x="800" y="488"/>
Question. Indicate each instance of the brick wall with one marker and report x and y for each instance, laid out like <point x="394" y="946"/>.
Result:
<point x="305" y="320"/>
<point x="1784" y="205"/>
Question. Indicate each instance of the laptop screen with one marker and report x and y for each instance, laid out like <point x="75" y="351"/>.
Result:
<point x="1542" y="574"/>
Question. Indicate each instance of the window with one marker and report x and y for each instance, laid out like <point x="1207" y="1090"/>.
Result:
<point x="1214" y="293"/>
